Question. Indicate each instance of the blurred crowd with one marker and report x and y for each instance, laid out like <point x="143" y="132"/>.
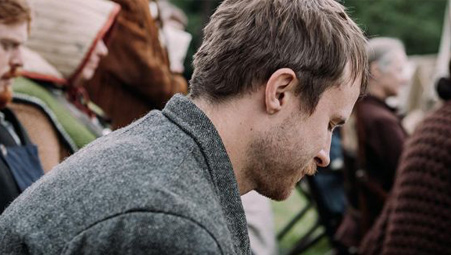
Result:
<point x="74" y="70"/>
<point x="84" y="68"/>
<point x="392" y="186"/>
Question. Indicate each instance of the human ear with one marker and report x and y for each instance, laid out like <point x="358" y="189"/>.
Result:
<point x="279" y="85"/>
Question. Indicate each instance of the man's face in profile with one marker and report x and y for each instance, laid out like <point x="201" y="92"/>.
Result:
<point x="12" y="37"/>
<point x="287" y="152"/>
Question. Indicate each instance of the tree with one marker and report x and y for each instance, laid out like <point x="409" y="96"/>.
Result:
<point x="418" y="23"/>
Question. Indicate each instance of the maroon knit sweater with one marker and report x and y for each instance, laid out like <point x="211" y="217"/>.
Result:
<point x="417" y="218"/>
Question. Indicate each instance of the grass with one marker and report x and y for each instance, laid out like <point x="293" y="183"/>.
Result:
<point x="284" y="212"/>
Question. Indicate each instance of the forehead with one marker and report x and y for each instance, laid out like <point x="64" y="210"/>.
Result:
<point x="17" y="32"/>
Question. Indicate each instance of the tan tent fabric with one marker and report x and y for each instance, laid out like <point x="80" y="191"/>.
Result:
<point x="38" y="68"/>
<point x="64" y="32"/>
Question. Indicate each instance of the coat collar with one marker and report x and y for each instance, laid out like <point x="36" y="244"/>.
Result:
<point x="184" y="113"/>
<point x="378" y="102"/>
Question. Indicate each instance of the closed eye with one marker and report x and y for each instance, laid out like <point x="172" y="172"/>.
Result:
<point x="337" y="122"/>
<point x="331" y="127"/>
<point x="8" y="45"/>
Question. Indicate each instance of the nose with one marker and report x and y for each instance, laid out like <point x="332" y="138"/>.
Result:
<point x="322" y="158"/>
<point x="16" y="58"/>
<point x="102" y="50"/>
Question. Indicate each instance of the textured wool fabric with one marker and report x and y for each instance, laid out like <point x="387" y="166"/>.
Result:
<point x="417" y="218"/>
<point x="163" y="185"/>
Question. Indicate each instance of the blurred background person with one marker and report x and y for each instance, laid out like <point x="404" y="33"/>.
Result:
<point x="260" y="223"/>
<point x="19" y="161"/>
<point x="417" y="217"/>
<point x="380" y="137"/>
<point x="64" y="49"/>
<point x="136" y="76"/>
<point x="172" y="31"/>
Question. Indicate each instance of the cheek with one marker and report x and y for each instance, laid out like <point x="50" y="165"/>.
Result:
<point x="394" y="78"/>
<point x="401" y="78"/>
<point x="4" y="67"/>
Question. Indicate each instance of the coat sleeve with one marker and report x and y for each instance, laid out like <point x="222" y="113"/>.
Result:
<point x="144" y="233"/>
<point x="389" y="144"/>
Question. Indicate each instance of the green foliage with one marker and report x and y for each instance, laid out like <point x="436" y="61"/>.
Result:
<point x="418" y="23"/>
<point x="285" y="211"/>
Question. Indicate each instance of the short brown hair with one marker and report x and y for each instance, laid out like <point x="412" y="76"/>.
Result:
<point x="246" y="41"/>
<point x="14" y="11"/>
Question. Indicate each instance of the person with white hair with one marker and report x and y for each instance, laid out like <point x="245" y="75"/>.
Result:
<point x="380" y="137"/>
<point x="417" y="215"/>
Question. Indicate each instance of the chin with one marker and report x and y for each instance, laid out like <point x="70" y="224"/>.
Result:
<point x="88" y="75"/>
<point x="283" y="196"/>
<point x="278" y="193"/>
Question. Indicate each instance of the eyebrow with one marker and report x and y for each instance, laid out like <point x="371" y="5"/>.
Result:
<point x="10" y="40"/>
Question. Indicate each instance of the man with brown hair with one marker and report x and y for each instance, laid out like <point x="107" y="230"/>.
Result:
<point x="272" y="79"/>
<point x="15" y="19"/>
<point x="19" y="162"/>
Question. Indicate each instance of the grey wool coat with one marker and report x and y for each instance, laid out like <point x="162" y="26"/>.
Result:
<point x="163" y="185"/>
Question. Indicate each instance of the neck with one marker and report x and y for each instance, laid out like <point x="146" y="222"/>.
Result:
<point x="233" y="122"/>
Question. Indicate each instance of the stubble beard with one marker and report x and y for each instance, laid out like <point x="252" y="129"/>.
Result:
<point x="6" y="95"/>
<point x="6" y="91"/>
<point x="275" y="167"/>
